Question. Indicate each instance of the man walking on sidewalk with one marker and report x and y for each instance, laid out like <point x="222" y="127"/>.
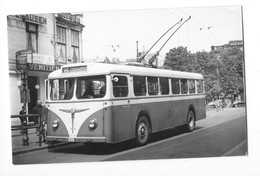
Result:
<point x="41" y="110"/>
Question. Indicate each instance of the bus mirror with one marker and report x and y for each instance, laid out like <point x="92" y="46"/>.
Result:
<point x="115" y="79"/>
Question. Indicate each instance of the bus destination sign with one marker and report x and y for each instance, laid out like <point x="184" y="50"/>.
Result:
<point x="74" y="69"/>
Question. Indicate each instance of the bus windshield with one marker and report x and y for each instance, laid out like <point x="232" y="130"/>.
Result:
<point x="62" y="89"/>
<point x="91" y="87"/>
<point x="87" y="87"/>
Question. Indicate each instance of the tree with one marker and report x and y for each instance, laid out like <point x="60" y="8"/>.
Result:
<point x="222" y="71"/>
<point x="231" y="71"/>
<point x="179" y="59"/>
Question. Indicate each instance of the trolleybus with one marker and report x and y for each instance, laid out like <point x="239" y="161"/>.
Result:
<point x="110" y="103"/>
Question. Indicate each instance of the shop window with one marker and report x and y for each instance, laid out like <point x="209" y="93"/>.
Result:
<point x="32" y="37"/>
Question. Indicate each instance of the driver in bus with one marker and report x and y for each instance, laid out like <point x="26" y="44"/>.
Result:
<point x="89" y="91"/>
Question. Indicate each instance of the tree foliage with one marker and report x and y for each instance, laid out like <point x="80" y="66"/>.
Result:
<point x="223" y="71"/>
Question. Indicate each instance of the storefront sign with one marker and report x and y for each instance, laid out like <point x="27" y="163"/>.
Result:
<point x="22" y="58"/>
<point x="41" y="67"/>
<point x="41" y="59"/>
<point x="21" y="62"/>
<point x="69" y="17"/>
<point x="26" y="60"/>
<point x="33" y="18"/>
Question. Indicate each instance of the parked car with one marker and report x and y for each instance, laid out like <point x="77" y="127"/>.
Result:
<point x="237" y="104"/>
<point x="212" y="104"/>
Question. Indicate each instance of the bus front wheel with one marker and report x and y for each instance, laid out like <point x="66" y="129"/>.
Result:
<point x="190" y="121"/>
<point x="143" y="131"/>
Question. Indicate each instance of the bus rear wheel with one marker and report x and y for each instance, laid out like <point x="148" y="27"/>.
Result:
<point x="190" y="121"/>
<point x="143" y="131"/>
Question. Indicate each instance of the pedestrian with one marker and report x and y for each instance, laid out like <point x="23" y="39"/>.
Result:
<point x="22" y="112"/>
<point x="23" y="119"/>
<point x="41" y="110"/>
<point x="221" y="105"/>
<point x="217" y="104"/>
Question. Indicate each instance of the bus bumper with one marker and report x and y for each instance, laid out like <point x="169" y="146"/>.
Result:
<point x="76" y="139"/>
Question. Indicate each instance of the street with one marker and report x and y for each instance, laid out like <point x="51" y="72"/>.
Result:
<point x="222" y="133"/>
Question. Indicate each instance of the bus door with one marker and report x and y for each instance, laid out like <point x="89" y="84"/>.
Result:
<point x="121" y="107"/>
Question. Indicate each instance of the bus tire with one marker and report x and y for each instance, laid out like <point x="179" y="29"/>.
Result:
<point x="190" y="121"/>
<point x="143" y="131"/>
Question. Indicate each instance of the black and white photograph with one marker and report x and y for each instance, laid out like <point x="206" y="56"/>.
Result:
<point x="160" y="86"/>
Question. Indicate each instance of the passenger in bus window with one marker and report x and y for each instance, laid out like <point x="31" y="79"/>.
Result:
<point x="69" y="94"/>
<point x="102" y="91"/>
<point x="89" y="93"/>
<point x="184" y="86"/>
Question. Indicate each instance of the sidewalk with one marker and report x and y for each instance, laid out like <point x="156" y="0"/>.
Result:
<point x="19" y="148"/>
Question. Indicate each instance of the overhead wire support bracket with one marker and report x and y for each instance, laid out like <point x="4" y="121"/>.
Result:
<point x="157" y="53"/>
<point x="142" y="58"/>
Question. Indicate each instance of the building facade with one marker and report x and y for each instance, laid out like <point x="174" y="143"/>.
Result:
<point x="232" y="43"/>
<point x="37" y="45"/>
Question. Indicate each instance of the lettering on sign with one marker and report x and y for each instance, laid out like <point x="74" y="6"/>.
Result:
<point x="41" y="67"/>
<point x="22" y="58"/>
<point x="69" y="17"/>
<point x="42" y="59"/>
<point x="21" y="62"/>
<point x="33" y="18"/>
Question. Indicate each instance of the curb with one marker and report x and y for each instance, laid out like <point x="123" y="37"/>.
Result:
<point x="40" y="148"/>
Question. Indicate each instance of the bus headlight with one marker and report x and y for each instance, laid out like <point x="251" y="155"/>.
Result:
<point x="92" y="124"/>
<point x="55" y="124"/>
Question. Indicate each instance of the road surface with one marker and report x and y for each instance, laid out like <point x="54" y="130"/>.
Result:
<point x="222" y="133"/>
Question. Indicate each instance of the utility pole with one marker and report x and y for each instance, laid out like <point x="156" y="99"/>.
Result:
<point x="136" y="50"/>
<point x="243" y="61"/>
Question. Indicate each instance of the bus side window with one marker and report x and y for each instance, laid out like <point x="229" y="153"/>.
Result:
<point x="139" y="85"/>
<point x="191" y="86"/>
<point x="199" y="84"/>
<point x="152" y="85"/>
<point x="184" y="86"/>
<point x="120" y="86"/>
<point x="175" y="86"/>
<point x="164" y="85"/>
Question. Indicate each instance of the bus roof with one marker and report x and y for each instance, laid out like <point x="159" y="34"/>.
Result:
<point x="91" y="69"/>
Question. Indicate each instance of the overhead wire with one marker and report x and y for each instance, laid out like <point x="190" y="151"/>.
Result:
<point x="203" y="27"/>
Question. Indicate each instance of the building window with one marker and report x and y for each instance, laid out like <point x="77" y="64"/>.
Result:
<point x="61" y="44"/>
<point x="32" y="36"/>
<point x="75" y="46"/>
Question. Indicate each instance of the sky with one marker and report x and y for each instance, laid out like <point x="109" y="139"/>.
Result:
<point x="114" y="33"/>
